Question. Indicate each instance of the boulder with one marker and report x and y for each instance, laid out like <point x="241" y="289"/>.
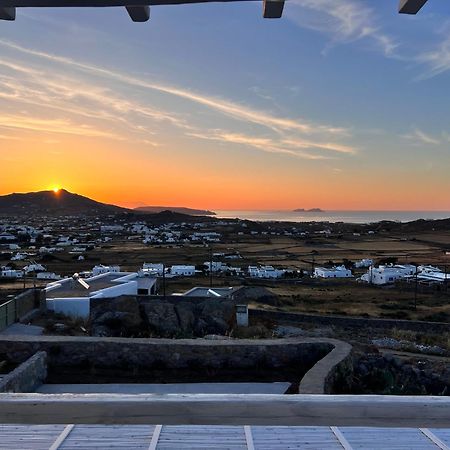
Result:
<point x="215" y="317"/>
<point x="162" y="318"/>
<point x="118" y="316"/>
<point x="186" y="316"/>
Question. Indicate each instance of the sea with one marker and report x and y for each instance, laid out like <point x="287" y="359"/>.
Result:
<point x="332" y="216"/>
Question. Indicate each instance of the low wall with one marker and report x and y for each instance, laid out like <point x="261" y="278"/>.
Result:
<point x="93" y="358"/>
<point x="29" y="300"/>
<point x="349" y="322"/>
<point x="28" y="376"/>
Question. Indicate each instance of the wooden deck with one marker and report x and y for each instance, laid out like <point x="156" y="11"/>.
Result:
<point x="150" y="437"/>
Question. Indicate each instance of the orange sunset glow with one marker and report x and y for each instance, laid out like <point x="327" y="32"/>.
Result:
<point x="119" y="136"/>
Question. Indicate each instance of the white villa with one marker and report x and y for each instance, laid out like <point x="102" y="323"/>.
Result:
<point x="388" y="274"/>
<point x="364" y="263"/>
<point x="156" y="268"/>
<point x="265" y="272"/>
<point x="7" y="272"/>
<point x="182" y="270"/>
<point x="334" y="272"/>
<point x="101" y="269"/>
<point x="68" y="297"/>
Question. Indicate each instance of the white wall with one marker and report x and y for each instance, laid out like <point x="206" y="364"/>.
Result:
<point x="73" y="307"/>
<point x="129" y="288"/>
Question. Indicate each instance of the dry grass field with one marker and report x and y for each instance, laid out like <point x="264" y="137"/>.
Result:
<point x="355" y="299"/>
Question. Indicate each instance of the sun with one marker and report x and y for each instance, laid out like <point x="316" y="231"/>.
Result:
<point x="56" y="190"/>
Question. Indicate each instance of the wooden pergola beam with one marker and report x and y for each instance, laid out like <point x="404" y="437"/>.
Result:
<point x="410" y="6"/>
<point x="8" y="13"/>
<point x="139" y="13"/>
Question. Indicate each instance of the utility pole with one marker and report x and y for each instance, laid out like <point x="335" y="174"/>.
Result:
<point x="210" y="267"/>
<point x="164" y="280"/>
<point x="445" y="278"/>
<point x="415" y="290"/>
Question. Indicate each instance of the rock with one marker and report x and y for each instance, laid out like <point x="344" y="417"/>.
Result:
<point x="186" y="316"/>
<point x="216" y="317"/>
<point x="118" y="316"/>
<point x="162" y="318"/>
<point x="101" y="331"/>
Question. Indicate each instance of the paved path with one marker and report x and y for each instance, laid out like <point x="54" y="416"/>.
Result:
<point x="22" y="329"/>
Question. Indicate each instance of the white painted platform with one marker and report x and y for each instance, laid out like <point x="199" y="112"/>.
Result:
<point x="125" y="437"/>
<point x="172" y="388"/>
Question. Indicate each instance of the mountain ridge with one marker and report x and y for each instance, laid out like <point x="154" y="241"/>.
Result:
<point x="175" y="209"/>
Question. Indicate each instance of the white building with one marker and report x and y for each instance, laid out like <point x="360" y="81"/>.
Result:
<point x="34" y="268"/>
<point x="334" y="272"/>
<point x="364" y="263"/>
<point x="388" y="274"/>
<point x="48" y="276"/>
<point x="6" y="272"/>
<point x="265" y="272"/>
<point x="19" y="257"/>
<point x="432" y="274"/>
<point x="217" y="266"/>
<point x="68" y="297"/>
<point x="181" y="270"/>
<point x="156" y="268"/>
<point x="98" y="270"/>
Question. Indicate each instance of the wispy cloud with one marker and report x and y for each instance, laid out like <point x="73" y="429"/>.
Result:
<point x="91" y="95"/>
<point x="52" y="126"/>
<point x="343" y="21"/>
<point x="290" y="147"/>
<point x="436" y="60"/>
<point x="419" y="136"/>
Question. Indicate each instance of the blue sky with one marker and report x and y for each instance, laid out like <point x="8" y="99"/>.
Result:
<point x="344" y="94"/>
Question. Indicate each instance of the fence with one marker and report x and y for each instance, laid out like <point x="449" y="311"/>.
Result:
<point x="17" y="307"/>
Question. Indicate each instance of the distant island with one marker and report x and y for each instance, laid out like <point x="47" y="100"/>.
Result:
<point x="312" y="210"/>
<point x="176" y="209"/>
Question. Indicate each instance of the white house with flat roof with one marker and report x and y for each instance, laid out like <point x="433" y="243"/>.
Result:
<point x="70" y="298"/>
<point x="182" y="271"/>
<point x="98" y="270"/>
<point x="265" y="272"/>
<point x="387" y="274"/>
<point x="7" y="272"/>
<point x="334" y="272"/>
<point x="157" y="268"/>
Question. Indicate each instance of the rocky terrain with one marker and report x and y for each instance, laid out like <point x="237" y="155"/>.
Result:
<point x="126" y="317"/>
<point x="375" y="373"/>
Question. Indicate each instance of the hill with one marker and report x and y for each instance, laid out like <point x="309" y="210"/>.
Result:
<point x="54" y="203"/>
<point x="175" y="209"/>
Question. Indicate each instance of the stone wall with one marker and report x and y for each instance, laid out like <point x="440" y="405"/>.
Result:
<point x="132" y="360"/>
<point x="349" y="322"/>
<point x="27" y="376"/>
<point x="131" y="316"/>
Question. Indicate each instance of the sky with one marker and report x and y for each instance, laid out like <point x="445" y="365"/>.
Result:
<point x="341" y="105"/>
